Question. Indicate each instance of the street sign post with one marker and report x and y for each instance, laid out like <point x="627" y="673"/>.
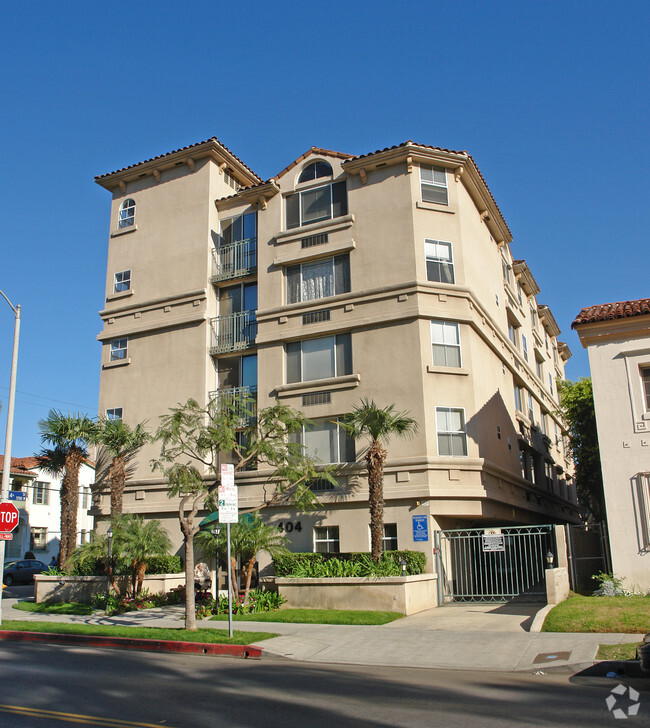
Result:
<point x="228" y="513"/>
<point x="8" y="517"/>
<point x="17" y="495"/>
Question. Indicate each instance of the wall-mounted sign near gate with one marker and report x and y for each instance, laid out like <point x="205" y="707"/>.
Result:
<point x="420" y="528"/>
<point x="494" y="542"/>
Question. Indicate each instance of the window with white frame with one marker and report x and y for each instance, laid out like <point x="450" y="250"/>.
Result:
<point x="433" y="184"/>
<point x="41" y="493"/>
<point x="119" y="348"/>
<point x="518" y="398"/>
<point x="542" y="423"/>
<point x="520" y="296"/>
<point x="325" y="440"/>
<point x="319" y="279"/>
<point x="645" y="381"/>
<point x="445" y="341"/>
<point x="524" y="346"/>
<point x="452" y="436"/>
<point x="38" y="538"/>
<point x="538" y="367"/>
<point x="316" y="204"/>
<point x="315" y="170"/>
<point x="126" y="214"/>
<point x="505" y="267"/>
<point x="533" y="315"/>
<point x="326" y="540"/>
<point x="531" y="412"/>
<point x="550" y="382"/>
<point x="513" y="333"/>
<point x="322" y="358"/>
<point x="122" y="281"/>
<point x="114" y="413"/>
<point x="85" y="499"/>
<point x="440" y="262"/>
<point x="389" y="538"/>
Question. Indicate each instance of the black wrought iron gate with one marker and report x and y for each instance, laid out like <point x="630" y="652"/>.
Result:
<point x="493" y="564"/>
<point x="588" y="553"/>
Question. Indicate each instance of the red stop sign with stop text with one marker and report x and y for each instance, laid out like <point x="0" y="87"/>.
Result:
<point x="8" y="517"/>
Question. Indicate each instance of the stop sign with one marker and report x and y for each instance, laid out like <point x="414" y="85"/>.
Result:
<point x="8" y="517"/>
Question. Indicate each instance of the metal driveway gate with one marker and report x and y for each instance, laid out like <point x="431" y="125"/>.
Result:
<point x="588" y="556"/>
<point x="493" y="564"/>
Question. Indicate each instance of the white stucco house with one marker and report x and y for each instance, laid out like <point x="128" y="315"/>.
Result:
<point x="39" y="529"/>
<point x="617" y="338"/>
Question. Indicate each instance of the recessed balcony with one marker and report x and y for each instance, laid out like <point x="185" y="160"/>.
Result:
<point x="234" y="260"/>
<point x="241" y="401"/>
<point x="234" y="332"/>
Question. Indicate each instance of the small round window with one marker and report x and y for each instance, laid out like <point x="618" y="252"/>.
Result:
<point x="127" y="213"/>
<point x="315" y="170"/>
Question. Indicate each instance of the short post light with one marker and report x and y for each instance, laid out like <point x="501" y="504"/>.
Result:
<point x="402" y="563"/>
<point x="549" y="559"/>
<point x="109" y="564"/>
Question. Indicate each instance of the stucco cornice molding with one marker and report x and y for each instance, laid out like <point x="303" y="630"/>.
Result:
<point x="621" y="329"/>
<point x="153" y="303"/>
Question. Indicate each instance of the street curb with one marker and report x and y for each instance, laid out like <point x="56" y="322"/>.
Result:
<point x="127" y="643"/>
<point x="538" y="621"/>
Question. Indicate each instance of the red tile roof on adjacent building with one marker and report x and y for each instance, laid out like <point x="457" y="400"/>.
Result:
<point x="612" y="311"/>
<point x="182" y="149"/>
<point x="20" y="466"/>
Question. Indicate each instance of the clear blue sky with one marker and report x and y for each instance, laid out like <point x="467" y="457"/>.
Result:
<point x="550" y="98"/>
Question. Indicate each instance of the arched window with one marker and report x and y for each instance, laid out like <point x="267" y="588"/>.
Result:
<point x="315" y="170"/>
<point x="127" y="213"/>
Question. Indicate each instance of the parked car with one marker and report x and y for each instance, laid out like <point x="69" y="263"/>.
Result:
<point x="22" y="572"/>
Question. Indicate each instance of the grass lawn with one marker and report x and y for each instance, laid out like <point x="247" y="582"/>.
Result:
<point x="600" y="614"/>
<point x="617" y="652"/>
<point x="219" y="636"/>
<point x="62" y="608"/>
<point x="316" y="616"/>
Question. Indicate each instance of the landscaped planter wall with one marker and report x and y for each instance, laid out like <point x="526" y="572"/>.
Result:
<point x="557" y="585"/>
<point x="55" y="589"/>
<point x="404" y="594"/>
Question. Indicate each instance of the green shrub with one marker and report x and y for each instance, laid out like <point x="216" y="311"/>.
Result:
<point x="258" y="601"/>
<point x="92" y="566"/>
<point x="348" y="564"/>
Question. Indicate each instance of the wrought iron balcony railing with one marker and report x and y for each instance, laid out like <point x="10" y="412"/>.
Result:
<point x="234" y="260"/>
<point x="242" y="401"/>
<point x="234" y="332"/>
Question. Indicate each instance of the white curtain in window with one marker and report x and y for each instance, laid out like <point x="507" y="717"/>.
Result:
<point x="320" y="442"/>
<point x="317" y="280"/>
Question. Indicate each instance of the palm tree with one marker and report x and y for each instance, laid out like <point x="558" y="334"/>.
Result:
<point x="369" y="420"/>
<point x="137" y="540"/>
<point x="120" y="442"/>
<point x="69" y="435"/>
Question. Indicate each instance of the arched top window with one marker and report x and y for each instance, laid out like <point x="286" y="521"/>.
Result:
<point x="315" y="170"/>
<point x="127" y="214"/>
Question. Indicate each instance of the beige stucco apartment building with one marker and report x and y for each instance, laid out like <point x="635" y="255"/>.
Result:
<point x="617" y="338"/>
<point x="387" y="276"/>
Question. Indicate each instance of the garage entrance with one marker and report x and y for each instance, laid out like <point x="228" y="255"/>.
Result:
<point x="493" y="564"/>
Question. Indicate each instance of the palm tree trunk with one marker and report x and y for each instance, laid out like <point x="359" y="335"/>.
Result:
<point x="69" y="505"/>
<point x="117" y="481"/>
<point x="233" y="579"/>
<point x="134" y="577"/>
<point x="375" y="459"/>
<point x="250" y="565"/>
<point x="142" y="567"/>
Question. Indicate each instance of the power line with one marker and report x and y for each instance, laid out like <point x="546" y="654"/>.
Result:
<point x="49" y="399"/>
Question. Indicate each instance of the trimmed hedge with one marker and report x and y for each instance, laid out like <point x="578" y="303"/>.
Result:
<point x="169" y="564"/>
<point x="358" y="563"/>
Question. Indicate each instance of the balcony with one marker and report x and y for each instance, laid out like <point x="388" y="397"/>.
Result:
<point x="241" y="401"/>
<point x="235" y="332"/>
<point x="234" y="260"/>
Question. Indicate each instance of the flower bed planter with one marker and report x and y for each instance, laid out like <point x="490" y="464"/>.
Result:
<point x="403" y="594"/>
<point x="54" y="589"/>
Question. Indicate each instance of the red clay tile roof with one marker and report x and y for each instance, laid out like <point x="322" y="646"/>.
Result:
<point x="20" y="466"/>
<point x="182" y="149"/>
<point x="314" y="150"/>
<point x="612" y="311"/>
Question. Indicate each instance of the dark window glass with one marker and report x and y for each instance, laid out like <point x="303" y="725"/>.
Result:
<point x="315" y="170"/>
<point x="339" y="199"/>
<point x="293" y="211"/>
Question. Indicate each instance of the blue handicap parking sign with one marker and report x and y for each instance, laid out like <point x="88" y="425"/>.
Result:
<point x="420" y="528"/>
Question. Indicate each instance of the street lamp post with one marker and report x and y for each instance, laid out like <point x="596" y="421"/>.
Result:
<point x="6" y="470"/>
<point x="109" y="565"/>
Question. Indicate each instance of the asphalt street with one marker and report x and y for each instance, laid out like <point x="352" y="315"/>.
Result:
<point x="45" y="686"/>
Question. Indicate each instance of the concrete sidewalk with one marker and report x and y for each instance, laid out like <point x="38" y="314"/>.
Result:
<point x="466" y="637"/>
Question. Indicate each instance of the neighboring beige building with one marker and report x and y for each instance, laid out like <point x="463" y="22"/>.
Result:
<point x="617" y="338"/>
<point x="387" y="276"/>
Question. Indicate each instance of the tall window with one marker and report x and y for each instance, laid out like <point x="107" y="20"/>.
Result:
<point x="505" y="268"/>
<point x="645" y="378"/>
<point x="538" y="367"/>
<point x="314" y="205"/>
<point x="119" y="348"/>
<point x="452" y="436"/>
<point x="115" y="413"/>
<point x="513" y="334"/>
<point x="39" y="538"/>
<point x="326" y="540"/>
<point x="389" y="539"/>
<point x="41" y="494"/>
<point x="531" y="411"/>
<point x="127" y="214"/>
<point x="440" y="262"/>
<point x="550" y="382"/>
<point x="310" y="281"/>
<point x="445" y="340"/>
<point x="315" y="170"/>
<point x="328" y="356"/>
<point x="524" y="346"/>
<point x="327" y="441"/>
<point x="433" y="184"/>
<point x="518" y="402"/>
<point x="122" y="281"/>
